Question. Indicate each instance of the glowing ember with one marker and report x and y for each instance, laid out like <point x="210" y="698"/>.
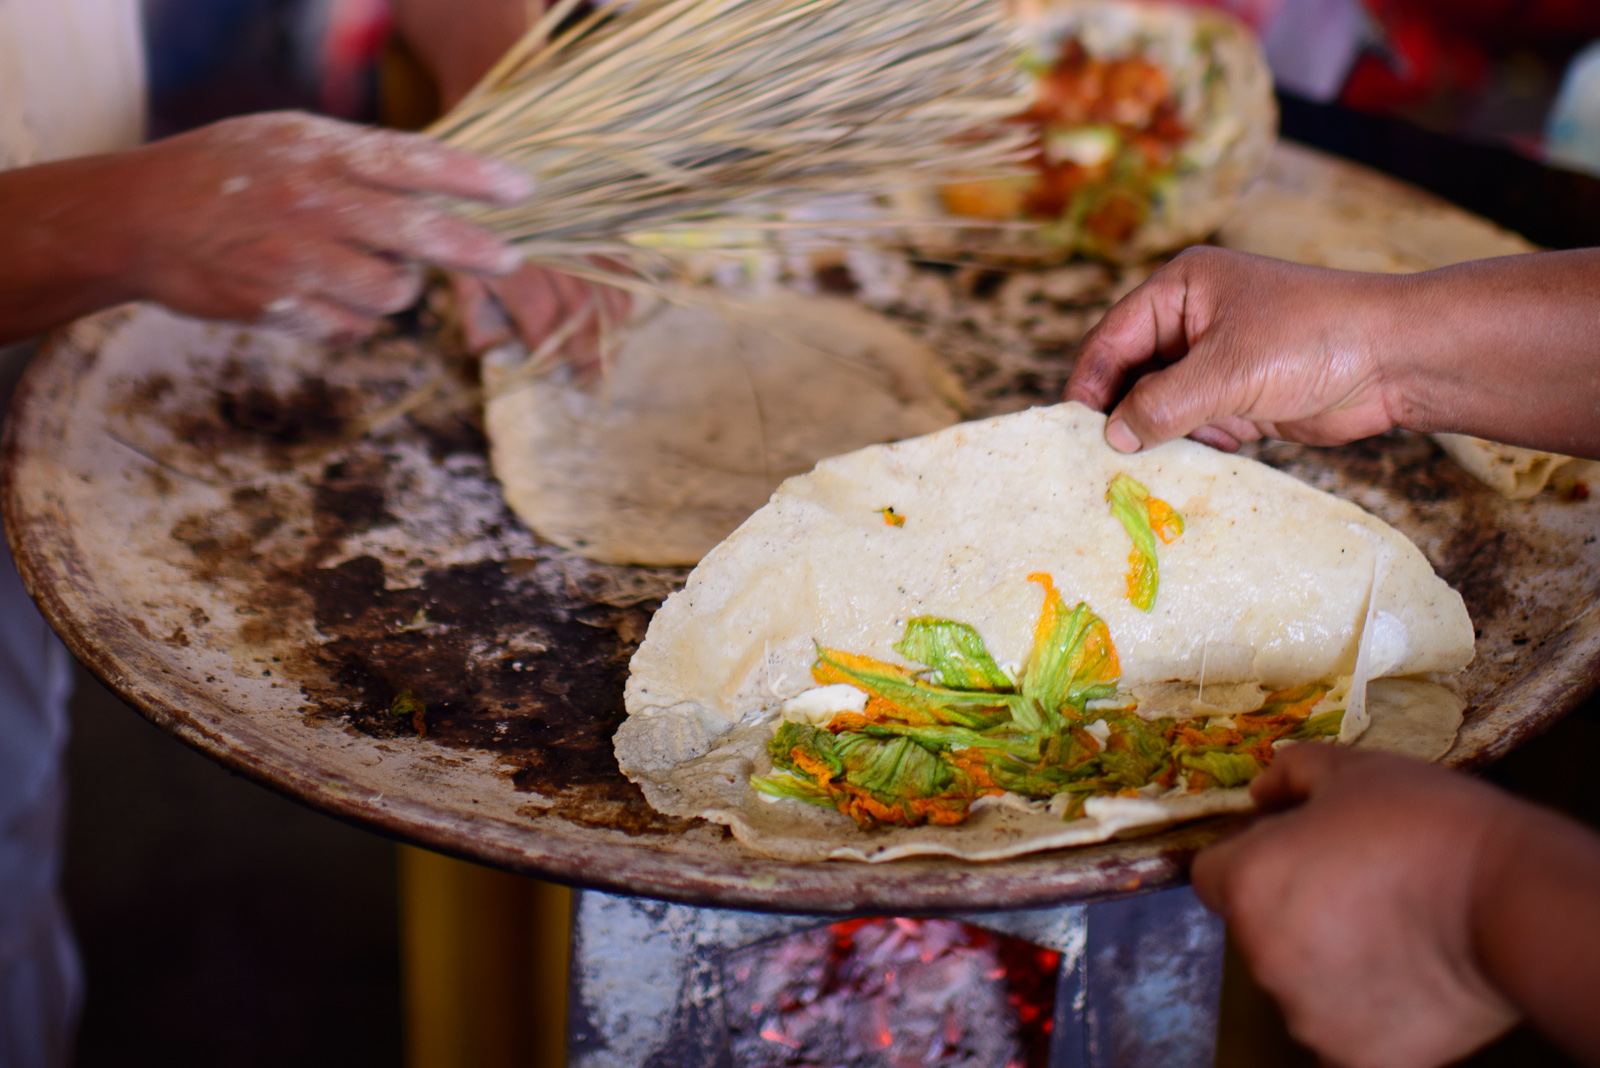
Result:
<point x="892" y="993"/>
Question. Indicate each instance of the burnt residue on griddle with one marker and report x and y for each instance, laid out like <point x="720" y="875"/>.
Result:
<point x="246" y="414"/>
<point x="312" y="413"/>
<point x="452" y="423"/>
<point x="224" y="543"/>
<point x="1408" y="466"/>
<point x="152" y="390"/>
<point x="502" y="663"/>
<point x="454" y="432"/>
<point x="500" y="666"/>
<point x="348" y="498"/>
<point x="1477" y="562"/>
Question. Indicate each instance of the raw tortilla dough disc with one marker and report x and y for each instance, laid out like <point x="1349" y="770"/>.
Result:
<point x="708" y="405"/>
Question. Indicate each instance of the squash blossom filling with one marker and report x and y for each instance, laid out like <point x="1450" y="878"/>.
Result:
<point x="1145" y="518"/>
<point x="930" y="742"/>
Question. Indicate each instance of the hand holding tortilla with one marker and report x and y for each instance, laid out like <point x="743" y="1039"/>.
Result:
<point x="1323" y="212"/>
<point x="1136" y="694"/>
<point x="1396" y="884"/>
<point x="1238" y="347"/>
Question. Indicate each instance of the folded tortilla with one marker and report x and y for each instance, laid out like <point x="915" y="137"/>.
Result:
<point x="1223" y="90"/>
<point x="1271" y="583"/>
<point x="1513" y="471"/>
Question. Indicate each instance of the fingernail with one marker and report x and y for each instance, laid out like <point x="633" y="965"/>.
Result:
<point x="1119" y="437"/>
<point x="508" y="261"/>
<point x="511" y="186"/>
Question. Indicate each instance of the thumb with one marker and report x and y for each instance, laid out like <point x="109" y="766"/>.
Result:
<point x="1176" y="401"/>
<point x="1297" y="772"/>
<point x="484" y="323"/>
<point x="1145" y="323"/>
<point x="1213" y="866"/>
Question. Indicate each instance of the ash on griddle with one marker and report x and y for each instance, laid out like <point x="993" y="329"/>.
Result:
<point x="892" y="993"/>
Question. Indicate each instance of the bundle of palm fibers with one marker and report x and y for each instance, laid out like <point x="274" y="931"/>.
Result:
<point x="669" y="112"/>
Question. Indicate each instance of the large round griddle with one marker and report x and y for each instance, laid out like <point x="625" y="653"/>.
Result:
<point x="261" y="545"/>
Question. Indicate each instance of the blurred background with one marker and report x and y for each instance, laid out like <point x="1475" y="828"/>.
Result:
<point x="223" y="925"/>
<point x="1487" y="71"/>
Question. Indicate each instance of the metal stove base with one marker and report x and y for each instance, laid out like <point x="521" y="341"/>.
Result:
<point x="1139" y="984"/>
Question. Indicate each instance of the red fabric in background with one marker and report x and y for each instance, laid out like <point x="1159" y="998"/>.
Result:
<point x="1493" y="22"/>
<point x="356" y="32"/>
<point x="1499" y="23"/>
<point x="1441" y="45"/>
<point x="1423" y="58"/>
<point x="1446" y="45"/>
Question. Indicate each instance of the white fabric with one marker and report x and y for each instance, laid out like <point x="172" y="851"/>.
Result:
<point x="40" y="982"/>
<point x="1572" y="132"/>
<point x="72" y="79"/>
<point x="35" y="681"/>
<point x="72" y="83"/>
<point x="1312" y="45"/>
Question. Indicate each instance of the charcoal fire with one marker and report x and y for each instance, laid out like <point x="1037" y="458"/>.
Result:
<point x="891" y="993"/>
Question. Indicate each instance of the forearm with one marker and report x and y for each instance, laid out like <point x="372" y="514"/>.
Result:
<point x="1507" y="349"/>
<point x="459" y="41"/>
<point x="1536" y="919"/>
<point x="70" y="248"/>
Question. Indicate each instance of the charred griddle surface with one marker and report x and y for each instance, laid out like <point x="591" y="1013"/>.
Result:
<point x="281" y="554"/>
<point x="498" y="662"/>
<point x="497" y="667"/>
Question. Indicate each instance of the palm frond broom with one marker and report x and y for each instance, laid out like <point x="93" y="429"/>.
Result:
<point x="669" y="112"/>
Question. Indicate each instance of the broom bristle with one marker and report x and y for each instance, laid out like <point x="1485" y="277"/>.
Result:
<point x="671" y="111"/>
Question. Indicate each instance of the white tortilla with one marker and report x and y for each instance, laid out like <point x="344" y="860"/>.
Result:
<point x="1310" y="208"/>
<point x="1413" y="717"/>
<point x="1270" y="583"/>
<point x="708" y="406"/>
<point x="1513" y="471"/>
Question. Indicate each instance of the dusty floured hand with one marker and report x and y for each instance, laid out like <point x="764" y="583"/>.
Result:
<point x="305" y="223"/>
<point x="1357" y="909"/>
<point x="533" y="305"/>
<point x="1226" y="347"/>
